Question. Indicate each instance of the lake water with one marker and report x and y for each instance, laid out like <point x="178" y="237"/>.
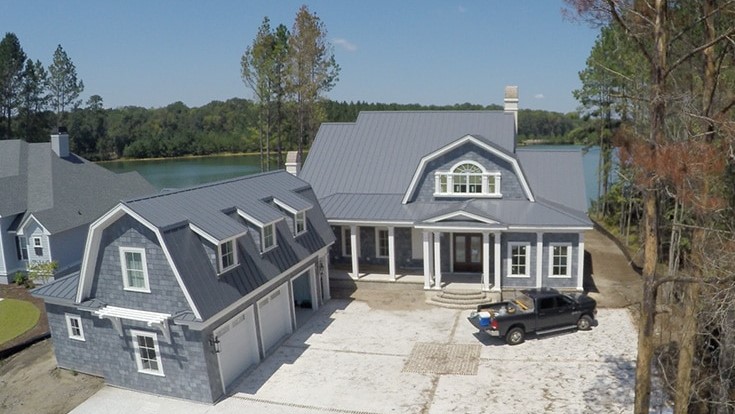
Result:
<point x="186" y="172"/>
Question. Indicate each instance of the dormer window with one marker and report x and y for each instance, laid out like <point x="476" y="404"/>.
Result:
<point x="227" y="256"/>
<point x="467" y="179"/>
<point x="299" y="222"/>
<point x="268" y="237"/>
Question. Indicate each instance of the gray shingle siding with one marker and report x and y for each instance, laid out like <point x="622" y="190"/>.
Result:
<point x="165" y="296"/>
<point x="510" y="186"/>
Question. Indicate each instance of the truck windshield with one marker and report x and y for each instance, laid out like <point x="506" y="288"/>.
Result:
<point x="523" y="302"/>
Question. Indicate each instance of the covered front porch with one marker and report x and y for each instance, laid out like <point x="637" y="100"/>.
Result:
<point x="438" y="255"/>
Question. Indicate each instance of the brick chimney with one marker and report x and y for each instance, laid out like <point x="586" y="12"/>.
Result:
<point x="60" y="142"/>
<point x="293" y="163"/>
<point x="511" y="102"/>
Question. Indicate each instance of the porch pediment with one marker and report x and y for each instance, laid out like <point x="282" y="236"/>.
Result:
<point x="460" y="216"/>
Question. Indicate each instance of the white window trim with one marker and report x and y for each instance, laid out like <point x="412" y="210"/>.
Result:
<point x="511" y="245"/>
<point x="486" y="177"/>
<point x="346" y="243"/>
<point x="377" y="242"/>
<point x="37" y="244"/>
<point x="296" y="231"/>
<point x="124" y="267"/>
<point x="138" y="361"/>
<point x="69" y="317"/>
<point x="262" y="238"/>
<point x="568" y="275"/>
<point x="223" y="269"/>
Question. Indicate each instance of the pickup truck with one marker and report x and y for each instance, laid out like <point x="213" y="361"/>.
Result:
<point x="535" y="311"/>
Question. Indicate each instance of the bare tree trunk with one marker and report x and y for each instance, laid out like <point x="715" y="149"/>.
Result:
<point x="648" y="306"/>
<point x="687" y="343"/>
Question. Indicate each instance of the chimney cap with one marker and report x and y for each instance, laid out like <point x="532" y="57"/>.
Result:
<point x="60" y="130"/>
<point x="511" y="92"/>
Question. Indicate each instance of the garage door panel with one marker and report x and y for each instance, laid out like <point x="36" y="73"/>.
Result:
<point x="274" y="317"/>
<point x="238" y="346"/>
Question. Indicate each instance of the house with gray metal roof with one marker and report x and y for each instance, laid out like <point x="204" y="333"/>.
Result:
<point x="50" y="196"/>
<point x="447" y="193"/>
<point x="182" y="292"/>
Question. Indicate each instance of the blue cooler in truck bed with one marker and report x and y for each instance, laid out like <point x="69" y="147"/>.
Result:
<point x="484" y="318"/>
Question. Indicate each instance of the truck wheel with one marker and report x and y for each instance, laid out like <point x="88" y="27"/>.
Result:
<point x="584" y="323"/>
<point x="515" y="336"/>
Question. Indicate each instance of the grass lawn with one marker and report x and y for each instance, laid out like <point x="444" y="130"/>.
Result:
<point x="16" y="317"/>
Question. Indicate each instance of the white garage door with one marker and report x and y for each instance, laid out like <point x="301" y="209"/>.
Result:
<point x="274" y="317"/>
<point x="238" y="346"/>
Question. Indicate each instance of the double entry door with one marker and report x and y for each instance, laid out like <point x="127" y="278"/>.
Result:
<point x="468" y="252"/>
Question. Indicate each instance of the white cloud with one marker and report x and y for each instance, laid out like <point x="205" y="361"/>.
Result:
<point x="345" y="44"/>
<point x="461" y="9"/>
<point x="539" y="96"/>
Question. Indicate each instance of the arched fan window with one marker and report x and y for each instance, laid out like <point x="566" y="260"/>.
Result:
<point x="467" y="179"/>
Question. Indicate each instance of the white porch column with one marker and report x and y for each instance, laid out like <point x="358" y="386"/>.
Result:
<point x="354" y="251"/>
<point x="325" y="285"/>
<point x="391" y="253"/>
<point x="580" y="263"/>
<point x="437" y="260"/>
<point x="427" y="260"/>
<point x="485" y="261"/>
<point x="498" y="262"/>
<point x="539" y="259"/>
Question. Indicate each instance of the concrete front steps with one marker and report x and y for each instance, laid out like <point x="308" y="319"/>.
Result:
<point x="462" y="298"/>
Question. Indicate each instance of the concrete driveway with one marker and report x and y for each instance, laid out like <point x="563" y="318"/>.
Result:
<point x="350" y="358"/>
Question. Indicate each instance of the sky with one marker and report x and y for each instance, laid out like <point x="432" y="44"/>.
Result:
<point x="431" y="52"/>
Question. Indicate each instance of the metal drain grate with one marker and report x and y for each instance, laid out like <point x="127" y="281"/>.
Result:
<point x="457" y="359"/>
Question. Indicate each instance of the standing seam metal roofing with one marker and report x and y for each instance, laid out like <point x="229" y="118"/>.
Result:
<point x="381" y="150"/>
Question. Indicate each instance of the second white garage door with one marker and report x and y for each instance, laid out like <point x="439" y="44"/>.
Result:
<point x="274" y="316"/>
<point x="238" y="346"/>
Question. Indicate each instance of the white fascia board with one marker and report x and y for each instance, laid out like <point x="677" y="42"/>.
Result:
<point x="93" y="245"/>
<point x="267" y="287"/>
<point x="459" y="229"/>
<point x="338" y="222"/>
<point x="548" y="229"/>
<point x="461" y="213"/>
<point x="253" y="220"/>
<point x="196" y="229"/>
<point x="467" y="138"/>
<point x="286" y="207"/>
<point x="27" y="220"/>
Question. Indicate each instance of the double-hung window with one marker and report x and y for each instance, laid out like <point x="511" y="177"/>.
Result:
<point x="74" y="327"/>
<point x="134" y="269"/>
<point x="147" y="353"/>
<point x="560" y="260"/>
<point x="518" y="263"/>
<point x="299" y="222"/>
<point x="22" y="247"/>
<point x="269" y="237"/>
<point x="37" y="246"/>
<point x="227" y="256"/>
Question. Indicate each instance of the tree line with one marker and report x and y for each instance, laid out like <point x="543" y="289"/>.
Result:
<point x="32" y="97"/>
<point x="659" y="89"/>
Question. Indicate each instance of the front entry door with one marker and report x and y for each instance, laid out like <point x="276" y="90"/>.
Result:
<point x="468" y="253"/>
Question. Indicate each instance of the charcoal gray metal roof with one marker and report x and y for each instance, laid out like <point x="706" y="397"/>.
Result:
<point x="379" y="152"/>
<point x="361" y="171"/>
<point x="64" y="288"/>
<point x="62" y="193"/>
<point x="210" y="207"/>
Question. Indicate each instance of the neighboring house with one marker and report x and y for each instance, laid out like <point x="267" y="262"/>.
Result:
<point x="445" y="193"/>
<point x="49" y="198"/>
<point x="181" y="293"/>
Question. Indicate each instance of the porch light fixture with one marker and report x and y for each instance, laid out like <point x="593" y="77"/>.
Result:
<point x="214" y="344"/>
